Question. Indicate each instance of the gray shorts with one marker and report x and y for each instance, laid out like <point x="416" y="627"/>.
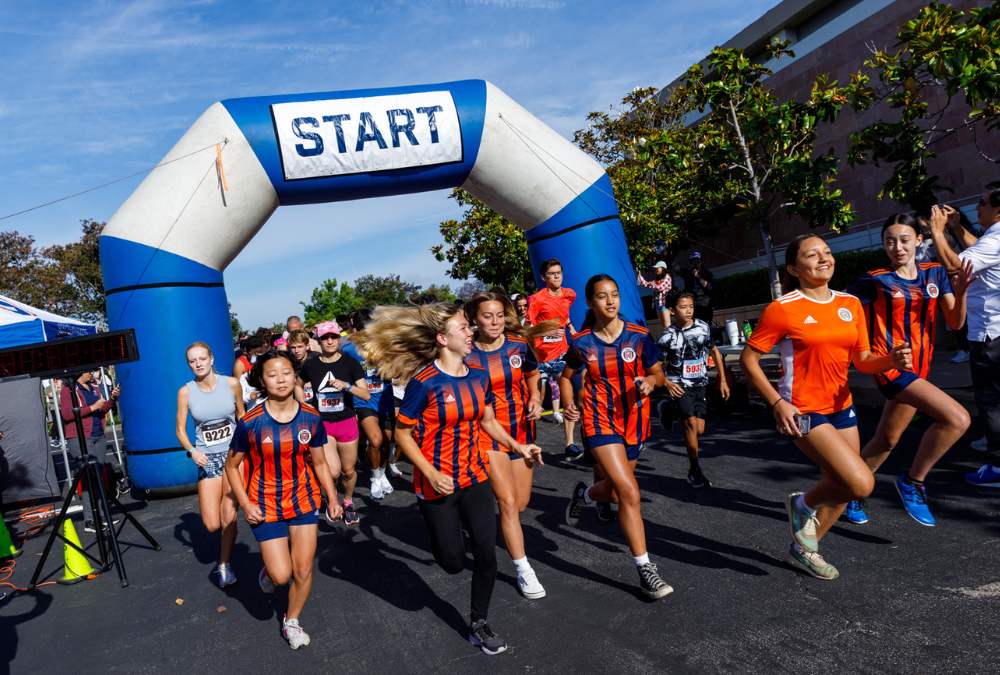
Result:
<point x="216" y="465"/>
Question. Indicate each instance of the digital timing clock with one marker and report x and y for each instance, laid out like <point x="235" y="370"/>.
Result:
<point x="68" y="356"/>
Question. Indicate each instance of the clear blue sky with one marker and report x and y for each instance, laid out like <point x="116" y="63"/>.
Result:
<point x="93" y="91"/>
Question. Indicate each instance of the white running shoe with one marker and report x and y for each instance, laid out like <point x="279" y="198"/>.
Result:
<point x="226" y="576"/>
<point x="557" y="417"/>
<point x="266" y="584"/>
<point x="377" y="491"/>
<point x="961" y="357"/>
<point x="292" y="631"/>
<point x="981" y="445"/>
<point x="394" y="471"/>
<point x="528" y="584"/>
<point x="387" y="488"/>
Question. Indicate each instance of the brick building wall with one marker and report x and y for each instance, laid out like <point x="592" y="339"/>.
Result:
<point x="958" y="163"/>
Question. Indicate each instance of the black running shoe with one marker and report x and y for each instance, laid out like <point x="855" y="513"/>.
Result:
<point x="573" y="453"/>
<point x="697" y="480"/>
<point x="651" y="583"/>
<point x="88" y="525"/>
<point x="576" y="504"/>
<point x="605" y="513"/>
<point x="481" y="635"/>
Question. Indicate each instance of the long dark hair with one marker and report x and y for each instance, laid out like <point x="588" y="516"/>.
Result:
<point x="257" y="371"/>
<point x="588" y="292"/>
<point x="790" y="282"/>
<point x="901" y="219"/>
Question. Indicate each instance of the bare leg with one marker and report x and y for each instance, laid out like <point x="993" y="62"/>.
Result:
<point x="303" y="543"/>
<point x="523" y="472"/>
<point x="845" y="475"/>
<point x="621" y="480"/>
<point x="373" y="432"/>
<point x="348" y="458"/>
<point x="229" y="511"/>
<point x="333" y="460"/>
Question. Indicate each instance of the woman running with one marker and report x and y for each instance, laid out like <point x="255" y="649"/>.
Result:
<point x="661" y="285"/>
<point x="447" y="404"/>
<point x="820" y="332"/>
<point x="215" y="403"/>
<point x="900" y="303"/>
<point x="501" y="349"/>
<point x="621" y="367"/>
<point x="282" y="443"/>
<point x="337" y="379"/>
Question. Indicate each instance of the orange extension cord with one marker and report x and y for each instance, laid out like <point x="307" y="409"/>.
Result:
<point x="39" y="516"/>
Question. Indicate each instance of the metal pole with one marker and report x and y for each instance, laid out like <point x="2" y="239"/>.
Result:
<point x="114" y="431"/>
<point x="62" y="436"/>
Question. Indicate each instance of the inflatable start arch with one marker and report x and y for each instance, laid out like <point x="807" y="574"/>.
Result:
<point x="164" y="251"/>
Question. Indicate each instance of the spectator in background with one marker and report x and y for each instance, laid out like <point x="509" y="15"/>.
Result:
<point x="698" y="280"/>
<point x="661" y="285"/>
<point x="983" y="309"/>
<point x="344" y="321"/>
<point x="521" y="307"/>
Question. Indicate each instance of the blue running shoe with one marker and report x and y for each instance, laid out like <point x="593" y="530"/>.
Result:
<point x="855" y="513"/>
<point x="915" y="502"/>
<point x="987" y="476"/>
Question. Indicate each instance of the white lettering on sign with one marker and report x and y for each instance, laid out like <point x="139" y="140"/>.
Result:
<point x="359" y="135"/>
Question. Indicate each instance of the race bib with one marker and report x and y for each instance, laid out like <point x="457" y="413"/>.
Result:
<point x="331" y="403"/>
<point x="307" y="394"/>
<point x="376" y="387"/>
<point x="549" y="338"/>
<point x="217" y="433"/>
<point x="693" y="369"/>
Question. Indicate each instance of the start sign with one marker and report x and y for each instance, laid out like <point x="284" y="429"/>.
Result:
<point x="336" y="137"/>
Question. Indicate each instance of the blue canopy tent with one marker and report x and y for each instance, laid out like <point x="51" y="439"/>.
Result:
<point x="26" y="469"/>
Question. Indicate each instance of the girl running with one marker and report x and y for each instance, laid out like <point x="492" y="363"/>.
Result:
<point x="501" y="349"/>
<point x="621" y="367"/>
<point x="214" y="402"/>
<point x="282" y="443"/>
<point x="900" y="303"/>
<point x="820" y="332"/>
<point x="686" y="344"/>
<point x="447" y="404"/>
<point x="337" y="379"/>
<point x="661" y="286"/>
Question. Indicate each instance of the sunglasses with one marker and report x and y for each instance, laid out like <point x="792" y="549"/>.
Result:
<point x="328" y="336"/>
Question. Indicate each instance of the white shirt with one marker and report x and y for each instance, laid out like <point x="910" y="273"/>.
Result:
<point x="983" y="298"/>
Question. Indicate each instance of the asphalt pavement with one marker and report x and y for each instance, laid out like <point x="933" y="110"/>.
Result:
<point x="909" y="598"/>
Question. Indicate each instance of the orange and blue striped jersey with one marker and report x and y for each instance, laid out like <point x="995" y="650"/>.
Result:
<point x="612" y="404"/>
<point x="446" y="412"/>
<point x="902" y="310"/>
<point x="277" y="469"/>
<point x="508" y="368"/>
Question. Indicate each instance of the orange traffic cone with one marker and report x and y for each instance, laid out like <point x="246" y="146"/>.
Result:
<point x="7" y="548"/>
<point x="77" y="566"/>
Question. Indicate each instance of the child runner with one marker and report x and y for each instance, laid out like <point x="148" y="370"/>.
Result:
<point x="446" y="406"/>
<point x="686" y="344"/>
<point x="553" y="303"/>
<point x="820" y="332"/>
<point x="621" y="367"/>
<point x="371" y="418"/>
<point x="661" y="286"/>
<point x="337" y="379"/>
<point x="281" y="442"/>
<point x="900" y="304"/>
<point x="501" y="348"/>
<point x="215" y="402"/>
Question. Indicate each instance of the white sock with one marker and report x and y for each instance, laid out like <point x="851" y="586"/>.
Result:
<point x="641" y="560"/>
<point x="376" y="475"/>
<point x="586" y="496"/>
<point x="800" y="502"/>
<point x="522" y="565"/>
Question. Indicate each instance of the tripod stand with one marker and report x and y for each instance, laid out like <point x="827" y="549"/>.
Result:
<point x="107" y="538"/>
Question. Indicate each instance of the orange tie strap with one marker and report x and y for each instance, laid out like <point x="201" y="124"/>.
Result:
<point x="222" y="174"/>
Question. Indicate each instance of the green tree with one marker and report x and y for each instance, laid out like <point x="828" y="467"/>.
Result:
<point x="943" y="59"/>
<point x="78" y="267"/>
<point x="371" y="291"/>
<point x="328" y="301"/>
<point x="755" y="154"/>
<point x="442" y="293"/>
<point x="234" y="322"/>
<point x="484" y="245"/>
<point x="25" y="274"/>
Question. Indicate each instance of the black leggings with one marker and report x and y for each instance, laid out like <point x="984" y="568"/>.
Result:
<point x="474" y="508"/>
<point x="962" y="337"/>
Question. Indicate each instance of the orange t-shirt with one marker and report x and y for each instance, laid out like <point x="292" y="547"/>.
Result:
<point x="816" y="340"/>
<point x="543" y="306"/>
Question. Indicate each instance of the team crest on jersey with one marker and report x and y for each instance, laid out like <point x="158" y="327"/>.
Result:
<point x="515" y="361"/>
<point x="628" y="355"/>
<point x="304" y="436"/>
<point x="932" y="290"/>
<point x="845" y="314"/>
